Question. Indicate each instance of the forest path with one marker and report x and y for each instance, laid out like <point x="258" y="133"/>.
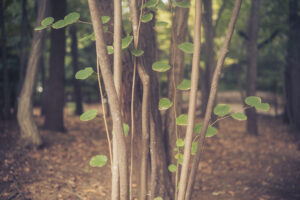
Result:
<point x="235" y="166"/>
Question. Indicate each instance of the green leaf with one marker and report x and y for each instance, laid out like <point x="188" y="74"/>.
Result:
<point x="137" y="52"/>
<point x="126" y="129"/>
<point x="84" y="73"/>
<point x="182" y="120"/>
<point x="160" y="66"/>
<point x="181" y="4"/>
<point x="88" y="115"/>
<point x="147" y="17"/>
<point x="87" y="37"/>
<point x="239" y="116"/>
<point x="186" y="47"/>
<point x="158" y="198"/>
<point x="98" y="161"/>
<point x="194" y="148"/>
<point x="105" y="19"/>
<point x="172" y="168"/>
<point x="221" y="110"/>
<point x="126" y="42"/>
<point x="180" y="142"/>
<point x="161" y="23"/>
<point x="59" y="24"/>
<point x="211" y="131"/>
<point x="110" y="50"/>
<point x="72" y="17"/>
<point x="40" y="28"/>
<point x="105" y="29"/>
<point x="262" y="107"/>
<point x="47" y="21"/>
<point x="179" y="158"/>
<point x="252" y="100"/>
<point x="184" y="85"/>
<point x="164" y="104"/>
<point x="150" y="3"/>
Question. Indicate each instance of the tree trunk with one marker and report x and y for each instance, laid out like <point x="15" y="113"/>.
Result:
<point x="175" y="76"/>
<point x="252" y="54"/>
<point x="29" y="130"/>
<point x="6" y="93"/>
<point x="76" y="84"/>
<point x="292" y="69"/>
<point x="55" y="90"/>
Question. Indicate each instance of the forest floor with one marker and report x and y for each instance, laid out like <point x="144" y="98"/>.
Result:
<point x="235" y="165"/>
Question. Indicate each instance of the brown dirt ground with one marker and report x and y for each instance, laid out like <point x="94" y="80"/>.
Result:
<point x="234" y="166"/>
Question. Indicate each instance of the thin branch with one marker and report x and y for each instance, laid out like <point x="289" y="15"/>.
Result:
<point x="83" y="22"/>
<point x="212" y="95"/>
<point x="192" y="101"/>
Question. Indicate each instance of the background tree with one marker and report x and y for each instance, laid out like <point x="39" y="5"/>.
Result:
<point x="55" y="85"/>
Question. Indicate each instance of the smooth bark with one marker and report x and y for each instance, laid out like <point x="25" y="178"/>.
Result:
<point x="212" y="96"/>
<point x="29" y="130"/>
<point x="252" y="55"/>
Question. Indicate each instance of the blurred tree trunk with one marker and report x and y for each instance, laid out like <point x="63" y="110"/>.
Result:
<point x="29" y="130"/>
<point x="292" y="69"/>
<point x="252" y="55"/>
<point x="55" y="85"/>
<point x="175" y="76"/>
<point x="6" y="93"/>
<point x="76" y="84"/>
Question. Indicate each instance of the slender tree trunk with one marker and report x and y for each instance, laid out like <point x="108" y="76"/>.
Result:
<point x="76" y="85"/>
<point x="212" y="96"/>
<point x="252" y="54"/>
<point x="29" y="130"/>
<point x="114" y="102"/>
<point x="55" y="89"/>
<point x="6" y="93"/>
<point x="175" y="76"/>
<point x="292" y="69"/>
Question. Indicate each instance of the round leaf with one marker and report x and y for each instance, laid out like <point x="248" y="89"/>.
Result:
<point x="221" y="110"/>
<point x="47" y="21"/>
<point x="147" y="17"/>
<point x="98" y="161"/>
<point x="180" y="142"/>
<point x="186" y="47"/>
<point x="88" y="115"/>
<point x="262" y="107"/>
<point x="137" y="52"/>
<point x="151" y="3"/>
<point x="126" y="129"/>
<point x="84" y="73"/>
<point x="211" y="131"/>
<point x="172" y="168"/>
<point x="182" y="120"/>
<point x="59" y="24"/>
<point x="194" y="148"/>
<point x="179" y="158"/>
<point x="184" y="85"/>
<point x="239" y="116"/>
<point x="252" y="100"/>
<point x="72" y="17"/>
<point x="40" y="28"/>
<point x="181" y="4"/>
<point x="164" y="104"/>
<point x="160" y="66"/>
<point x="126" y="41"/>
<point x="105" y="19"/>
<point x="110" y="50"/>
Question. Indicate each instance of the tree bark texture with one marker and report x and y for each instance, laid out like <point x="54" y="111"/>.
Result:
<point x="29" y="130"/>
<point x="292" y="69"/>
<point x="113" y="99"/>
<point x="212" y="96"/>
<point x="252" y="54"/>
<point x="175" y="76"/>
<point x="55" y="85"/>
<point x="6" y="93"/>
<point x="76" y="84"/>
